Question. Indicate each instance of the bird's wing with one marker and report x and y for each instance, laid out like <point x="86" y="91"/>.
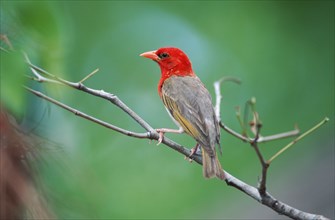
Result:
<point x="189" y="102"/>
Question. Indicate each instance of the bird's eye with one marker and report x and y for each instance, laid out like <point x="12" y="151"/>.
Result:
<point x="163" y="55"/>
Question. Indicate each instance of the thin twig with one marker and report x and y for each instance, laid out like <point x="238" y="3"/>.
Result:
<point x="256" y="126"/>
<point x="89" y="75"/>
<point x="298" y="139"/>
<point x="52" y="78"/>
<point x="234" y="133"/>
<point x="243" y="137"/>
<point x="217" y="87"/>
<point x="37" y="77"/>
<point x="99" y="93"/>
<point x="287" y="134"/>
<point x="88" y="117"/>
<point x="4" y="50"/>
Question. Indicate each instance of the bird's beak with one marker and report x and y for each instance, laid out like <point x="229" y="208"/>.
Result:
<point x="151" y="55"/>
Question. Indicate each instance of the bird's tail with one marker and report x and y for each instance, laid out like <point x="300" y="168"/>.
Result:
<point x="211" y="166"/>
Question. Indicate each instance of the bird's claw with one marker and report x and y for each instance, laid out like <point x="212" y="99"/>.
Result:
<point x="188" y="158"/>
<point x="193" y="151"/>
<point x="161" y="136"/>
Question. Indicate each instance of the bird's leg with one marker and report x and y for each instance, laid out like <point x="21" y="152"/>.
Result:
<point x="161" y="132"/>
<point x="193" y="151"/>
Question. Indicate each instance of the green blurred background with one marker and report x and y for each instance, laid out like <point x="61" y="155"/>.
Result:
<point x="282" y="51"/>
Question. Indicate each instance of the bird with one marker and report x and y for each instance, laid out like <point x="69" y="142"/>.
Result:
<point x="190" y="106"/>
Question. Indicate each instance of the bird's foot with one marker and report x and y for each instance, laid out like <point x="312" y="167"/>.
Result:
<point x="161" y="136"/>
<point x="189" y="159"/>
<point x="161" y="132"/>
<point x="193" y="151"/>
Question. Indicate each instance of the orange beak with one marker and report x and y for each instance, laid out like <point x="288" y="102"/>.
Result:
<point x="151" y="55"/>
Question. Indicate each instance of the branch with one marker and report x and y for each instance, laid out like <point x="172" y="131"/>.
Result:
<point x="283" y="135"/>
<point x="270" y="201"/>
<point x="217" y="87"/>
<point x="325" y="120"/>
<point x="243" y="138"/>
<point x="234" y="133"/>
<point x="88" y="117"/>
<point x="230" y="180"/>
<point x="264" y="197"/>
<point x="89" y="75"/>
<point x="99" y="93"/>
<point x="256" y="126"/>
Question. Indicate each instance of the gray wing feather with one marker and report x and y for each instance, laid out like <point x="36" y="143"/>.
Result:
<point x="194" y="102"/>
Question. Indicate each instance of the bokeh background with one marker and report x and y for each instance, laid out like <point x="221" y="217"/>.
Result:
<point x="282" y="51"/>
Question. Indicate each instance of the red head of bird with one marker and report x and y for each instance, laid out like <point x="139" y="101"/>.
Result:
<point x="172" y="62"/>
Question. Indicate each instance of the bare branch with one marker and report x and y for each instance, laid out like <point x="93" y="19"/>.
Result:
<point x="89" y="75"/>
<point x="99" y="93"/>
<point x="217" y="87"/>
<point x="264" y="197"/>
<point x="50" y="76"/>
<point x="243" y="137"/>
<point x="260" y="194"/>
<point x="88" y="117"/>
<point x="270" y="201"/>
<point x="265" y="166"/>
<point x="287" y="134"/>
<point x="256" y="126"/>
<point x="4" y="50"/>
<point x="38" y="77"/>
<point x="298" y="139"/>
<point x="234" y="133"/>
